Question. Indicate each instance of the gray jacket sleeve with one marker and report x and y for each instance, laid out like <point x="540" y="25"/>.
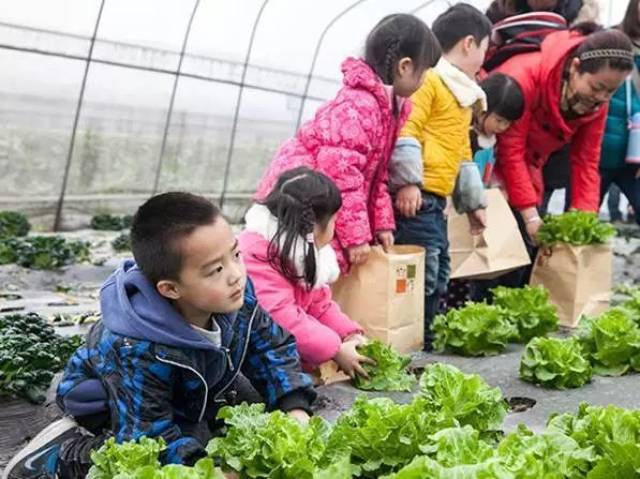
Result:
<point x="405" y="166"/>
<point x="469" y="193"/>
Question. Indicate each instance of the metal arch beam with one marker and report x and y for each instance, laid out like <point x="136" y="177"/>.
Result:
<point x="316" y="53"/>
<point x="163" y="146"/>
<point x="67" y="167"/>
<point x="236" y="115"/>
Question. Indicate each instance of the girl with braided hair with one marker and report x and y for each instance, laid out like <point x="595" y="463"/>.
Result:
<point x="287" y="250"/>
<point x="351" y="137"/>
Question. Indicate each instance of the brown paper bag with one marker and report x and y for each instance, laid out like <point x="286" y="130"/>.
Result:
<point x="385" y="296"/>
<point x="578" y="279"/>
<point x="328" y="373"/>
<point x="498" y="250"/>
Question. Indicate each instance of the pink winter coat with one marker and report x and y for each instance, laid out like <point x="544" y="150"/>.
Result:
<point x="310" y="315"/>
<point x="350" y="139"/>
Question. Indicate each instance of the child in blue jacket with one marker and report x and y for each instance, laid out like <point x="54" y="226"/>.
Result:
<point x="178" y="326"/>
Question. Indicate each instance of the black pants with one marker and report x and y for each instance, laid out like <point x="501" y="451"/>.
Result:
<point x="625" y="179"/>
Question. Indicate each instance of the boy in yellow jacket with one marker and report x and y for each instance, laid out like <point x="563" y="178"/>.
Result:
<point x="433" y="144"/>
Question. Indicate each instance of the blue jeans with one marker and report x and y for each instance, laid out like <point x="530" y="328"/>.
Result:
<point x="625" y="179"/>
<point x="429" y="230"/>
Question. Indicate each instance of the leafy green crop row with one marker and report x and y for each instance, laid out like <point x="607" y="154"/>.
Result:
<point x="42" y="252"/>
<point x="141" y="460"/>
<point x="122" y="242"/>
<point x="30" y="354"/>
<point x="13" y="224"/>
<point x="479" y="329"/>
<point x="608" y="345"/>
<point x="107" y="222"/>
<point x="444" y="433"/>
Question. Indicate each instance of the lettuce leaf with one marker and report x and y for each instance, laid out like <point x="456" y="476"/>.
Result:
<point x="382" y="436"/>
<point x="466" y="398"/>
<point x="454" y="453"/>
<point x="273" y="445"/>
<point x="551" y="455"/>
<point x="611" y="341"/>
<point x="576" y="228"/>
<point x="612" y="432"/>
<point x="389" y="373"/>
<point x="529" y="309"/>
<point x="555" y="363"/>
<point x="113" y="459"/>
<point x="477" y="329"/>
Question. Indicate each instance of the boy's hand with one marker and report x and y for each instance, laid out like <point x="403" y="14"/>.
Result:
<point x="477" y="221"/>
<point x="359" y="254"/>
<point x="301" y="415"/>
<point x="349" y="359"/>
<point x="386" y="239"/>
<point x="409" y="200"/>
<point x="231" y="475"/>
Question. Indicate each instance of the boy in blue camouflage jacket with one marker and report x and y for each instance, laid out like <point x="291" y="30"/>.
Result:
<point x="178" y="326"/>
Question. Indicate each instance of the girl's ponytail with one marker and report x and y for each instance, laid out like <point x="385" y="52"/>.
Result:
<point x="301" y="199"/>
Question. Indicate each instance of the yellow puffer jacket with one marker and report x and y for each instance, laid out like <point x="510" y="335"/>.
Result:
<point x="441" y="126"/>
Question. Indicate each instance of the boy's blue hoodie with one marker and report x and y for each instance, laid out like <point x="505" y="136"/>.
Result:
<point x="157" y="376"/>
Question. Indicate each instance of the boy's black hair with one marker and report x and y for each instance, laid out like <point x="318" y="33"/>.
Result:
<point x="398" y="36"/>
<point x="458" y="22"/>
<point x="300" y="199"/>
<point x="504" y="96"/>
<point x="158" y="227"/>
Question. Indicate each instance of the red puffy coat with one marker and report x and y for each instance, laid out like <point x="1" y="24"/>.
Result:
<point x="523" y="150"/>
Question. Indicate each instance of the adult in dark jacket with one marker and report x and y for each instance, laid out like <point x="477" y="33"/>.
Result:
<point x="613" y="168"/>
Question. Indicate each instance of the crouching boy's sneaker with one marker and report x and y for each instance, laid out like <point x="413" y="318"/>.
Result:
<point x="39" y="458"/>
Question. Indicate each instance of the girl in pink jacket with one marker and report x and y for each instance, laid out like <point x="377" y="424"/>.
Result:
<point x="287" y="252"/>
<point x="351" y="137"/>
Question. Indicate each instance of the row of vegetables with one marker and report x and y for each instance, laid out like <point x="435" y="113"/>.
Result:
<point x="450" y="430"/>
<point x="607" y="345"/>
<point x="52" y="251"/>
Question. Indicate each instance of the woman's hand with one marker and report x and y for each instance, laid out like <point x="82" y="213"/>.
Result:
<point x="532" y="222"/>
<point x="359" y="254"/>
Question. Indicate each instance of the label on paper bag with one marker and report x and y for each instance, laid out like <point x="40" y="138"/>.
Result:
<point x="405" y="278"/>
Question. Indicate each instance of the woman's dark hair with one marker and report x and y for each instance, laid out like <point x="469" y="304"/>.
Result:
<point x="398" y="36"/>
<point x="631" y="23"/>
<point x="300" y="199"/>
<point x="605" y="48"/>
<point x="504" y="96"/>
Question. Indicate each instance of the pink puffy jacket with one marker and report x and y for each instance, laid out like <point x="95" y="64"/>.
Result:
<point x="311" y="316"/>
<point x="350" y="139"/>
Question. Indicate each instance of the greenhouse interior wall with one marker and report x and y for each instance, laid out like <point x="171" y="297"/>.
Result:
<point x="106" y="102"/>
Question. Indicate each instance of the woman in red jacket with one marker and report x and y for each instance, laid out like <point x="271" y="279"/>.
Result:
<point x="567" y="86"/>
